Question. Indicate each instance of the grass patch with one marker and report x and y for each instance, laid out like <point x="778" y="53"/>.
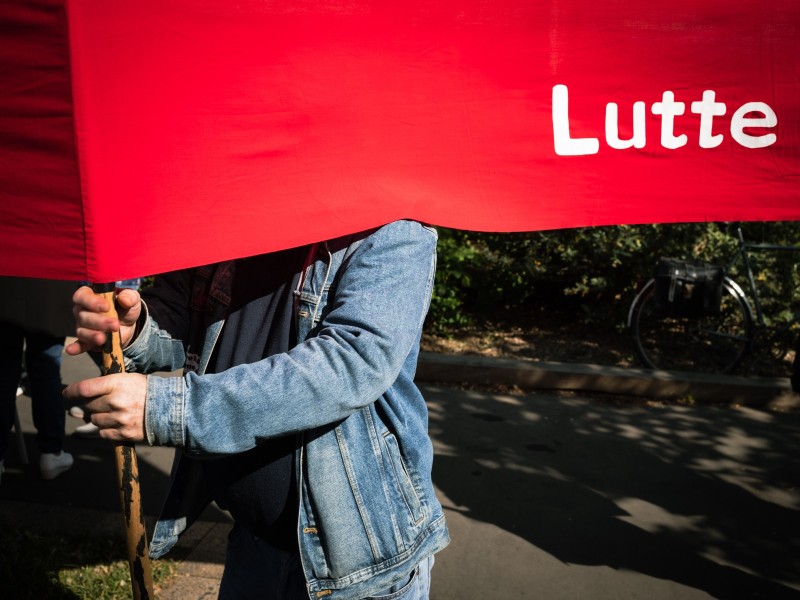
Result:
<point x="39" y="565"/>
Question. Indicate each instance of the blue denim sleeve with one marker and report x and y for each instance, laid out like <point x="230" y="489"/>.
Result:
<point x="159" y="345"/>
<point x="377" y="307"/>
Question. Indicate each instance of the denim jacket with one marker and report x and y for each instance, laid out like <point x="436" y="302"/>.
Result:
<point x="367" y="509"/>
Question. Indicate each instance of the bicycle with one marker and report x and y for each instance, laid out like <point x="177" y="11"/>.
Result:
<point x="716" y="342"/>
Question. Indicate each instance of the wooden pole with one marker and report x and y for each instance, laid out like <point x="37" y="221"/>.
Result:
<point x="128" y="473"/>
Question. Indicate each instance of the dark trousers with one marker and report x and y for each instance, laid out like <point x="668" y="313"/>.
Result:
<point x="43" y="364"/>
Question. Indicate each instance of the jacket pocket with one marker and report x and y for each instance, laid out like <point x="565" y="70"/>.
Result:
<point x="403" y="478"/>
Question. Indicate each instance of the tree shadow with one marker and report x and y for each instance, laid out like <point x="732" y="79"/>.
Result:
<point x="708" y="497"/>
<point x="91" y="483"/>
<point x="44" y="564"/>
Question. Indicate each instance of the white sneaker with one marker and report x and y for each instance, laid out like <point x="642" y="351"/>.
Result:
<point x="87" y="430"/>
<point x="52" y="465"/>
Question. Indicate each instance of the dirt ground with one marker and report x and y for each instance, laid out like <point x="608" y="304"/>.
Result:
<point x="538" y="335"/>
<point x="547" y="337"/>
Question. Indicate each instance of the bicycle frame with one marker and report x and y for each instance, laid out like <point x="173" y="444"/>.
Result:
<point x="742" y="252"/>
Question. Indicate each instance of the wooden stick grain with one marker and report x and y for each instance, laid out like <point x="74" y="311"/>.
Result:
<point x="128" y="476"/>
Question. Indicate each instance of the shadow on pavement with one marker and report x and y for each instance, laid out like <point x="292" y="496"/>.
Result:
<point x="707" y="497"/>
<point x="91" y="483"/>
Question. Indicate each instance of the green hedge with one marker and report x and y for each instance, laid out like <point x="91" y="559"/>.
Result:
<point x="591" y="273"/>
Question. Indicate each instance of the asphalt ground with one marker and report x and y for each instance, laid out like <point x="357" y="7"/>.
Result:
<point x="547" y="495"/>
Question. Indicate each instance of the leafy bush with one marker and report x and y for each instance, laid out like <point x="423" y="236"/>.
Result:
<point x="589" y="273"/>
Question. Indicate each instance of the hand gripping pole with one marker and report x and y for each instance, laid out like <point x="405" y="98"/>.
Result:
<point x="127" y="472"/>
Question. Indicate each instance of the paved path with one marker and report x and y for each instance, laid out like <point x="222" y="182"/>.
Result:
<point x="546" y="497"/>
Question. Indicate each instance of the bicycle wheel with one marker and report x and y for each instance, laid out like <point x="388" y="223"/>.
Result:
<point x="713" y="344"/>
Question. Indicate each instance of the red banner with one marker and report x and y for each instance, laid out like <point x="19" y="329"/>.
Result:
<point x="141" y="137"/>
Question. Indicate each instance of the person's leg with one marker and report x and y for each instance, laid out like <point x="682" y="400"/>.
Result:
<point x="11" y="341"/>
<point x="255" y="569"/>
<point x="43" y="361"/>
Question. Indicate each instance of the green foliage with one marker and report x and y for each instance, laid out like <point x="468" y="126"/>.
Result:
<point x="777" y="273"/>
<point x="590" y="273"/>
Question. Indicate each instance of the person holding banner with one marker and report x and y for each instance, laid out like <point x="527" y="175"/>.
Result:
<point x="89" y="430"/>
<point x="297" y="410"/>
